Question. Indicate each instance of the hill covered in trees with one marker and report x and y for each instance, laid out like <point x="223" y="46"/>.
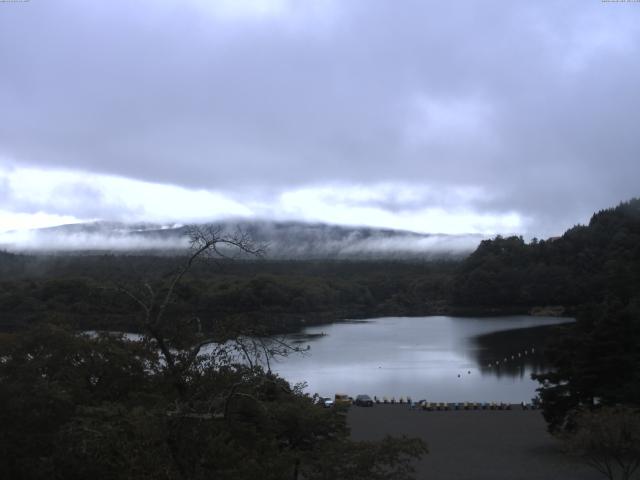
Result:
<point x="285" y="240"/>
<point x="504" y="275"/>
<point x="588" y="263"/>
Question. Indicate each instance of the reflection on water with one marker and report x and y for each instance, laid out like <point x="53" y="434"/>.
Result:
<point x="439" y="358"/>
<point x="515" y="353"/>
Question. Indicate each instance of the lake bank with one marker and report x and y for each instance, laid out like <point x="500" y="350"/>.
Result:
<point x="474" y="445"/>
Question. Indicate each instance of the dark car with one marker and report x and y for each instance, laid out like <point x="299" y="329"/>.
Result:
<point x="364" y="401"/>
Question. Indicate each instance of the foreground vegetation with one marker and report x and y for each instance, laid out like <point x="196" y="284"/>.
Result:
<point x="180" y="403"/>
<point x="101" y="407"/>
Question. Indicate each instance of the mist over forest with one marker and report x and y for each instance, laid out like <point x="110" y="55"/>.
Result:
<point x="282" y="240"/>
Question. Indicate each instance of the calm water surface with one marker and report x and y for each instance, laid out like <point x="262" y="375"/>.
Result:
<point x="442" y="359"/>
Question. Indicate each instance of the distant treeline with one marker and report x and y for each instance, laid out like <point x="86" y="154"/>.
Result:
<point x="277" y="295"/>
<point x="505" y="275"/>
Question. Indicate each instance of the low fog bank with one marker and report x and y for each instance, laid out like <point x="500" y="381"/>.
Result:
<point x="284" y="240"/>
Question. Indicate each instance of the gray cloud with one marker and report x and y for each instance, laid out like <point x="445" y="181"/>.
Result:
<point x="535" y="104"/>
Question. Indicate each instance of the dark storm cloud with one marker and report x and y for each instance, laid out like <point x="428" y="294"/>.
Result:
<point x="533" y="104"/>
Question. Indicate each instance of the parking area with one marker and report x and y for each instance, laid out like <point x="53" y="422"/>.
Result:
<point x="474" y="444"/>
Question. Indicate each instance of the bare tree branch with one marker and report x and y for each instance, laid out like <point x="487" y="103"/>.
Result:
<point x="154" y="300"/>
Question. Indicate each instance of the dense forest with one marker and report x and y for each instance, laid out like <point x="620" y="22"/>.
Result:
<point x="587" y="263"/>
<point x="95" y="405"/>
<point x="278" y="295"/>
<point x="504" y="275"/>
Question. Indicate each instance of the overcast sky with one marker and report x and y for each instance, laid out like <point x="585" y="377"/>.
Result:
<point x="434" y="116"/>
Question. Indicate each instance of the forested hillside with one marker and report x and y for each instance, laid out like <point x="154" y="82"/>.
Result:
<point x="587" y="263"/>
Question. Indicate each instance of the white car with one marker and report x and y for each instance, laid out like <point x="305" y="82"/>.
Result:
<point x="325" y="402"/>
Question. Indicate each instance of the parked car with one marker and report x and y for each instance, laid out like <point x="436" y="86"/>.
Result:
<point x="364" y="401"/>
<point x="325" y="402"/>
<point x="343" y="399"/>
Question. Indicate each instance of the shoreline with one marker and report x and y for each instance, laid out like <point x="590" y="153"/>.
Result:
<point x="288" y="322"/>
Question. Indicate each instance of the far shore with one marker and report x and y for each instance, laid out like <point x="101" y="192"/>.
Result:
<point x="283" y="323"/>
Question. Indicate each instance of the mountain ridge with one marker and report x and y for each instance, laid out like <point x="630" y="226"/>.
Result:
<point x="286" y="239"/>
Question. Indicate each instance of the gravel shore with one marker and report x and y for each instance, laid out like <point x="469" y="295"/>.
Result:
<point x="474" y="445"/>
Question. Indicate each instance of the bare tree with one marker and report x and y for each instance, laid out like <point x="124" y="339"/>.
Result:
<point x="154" y="297"/>
<point x="608" y="439"/>
<point x="181" y="340"/>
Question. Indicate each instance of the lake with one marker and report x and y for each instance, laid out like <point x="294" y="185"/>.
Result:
<point x="442" y="359"/>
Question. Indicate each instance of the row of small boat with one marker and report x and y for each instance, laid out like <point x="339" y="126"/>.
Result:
<point x="515" y="356"/>
<point x="433" y="406"/>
